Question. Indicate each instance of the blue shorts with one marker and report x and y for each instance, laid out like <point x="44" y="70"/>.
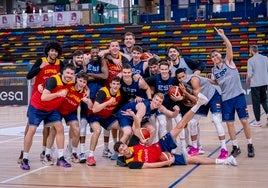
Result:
<point x="83" y="110"/>
<point x="35" y="116"/>
<point x="167" y="143"/>
<point x="124" y="121"/>
<point x="214" y="105"/>
<point x="237" y="104"/>
<point x="70" y="117"/>
<point x="106" y="123"/>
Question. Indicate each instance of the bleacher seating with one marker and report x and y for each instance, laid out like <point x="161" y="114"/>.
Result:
<point x="195" y="39"/>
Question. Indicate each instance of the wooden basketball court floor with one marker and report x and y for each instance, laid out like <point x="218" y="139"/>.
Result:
<point x="251" y="172"/>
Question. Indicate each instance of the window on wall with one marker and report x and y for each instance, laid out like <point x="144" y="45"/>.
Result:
<point x="184" y="3"/>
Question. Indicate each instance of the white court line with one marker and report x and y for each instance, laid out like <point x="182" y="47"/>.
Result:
<point x="36" y="170"/>
<point x="25" y="174"/>
<point x="8" y="140"/>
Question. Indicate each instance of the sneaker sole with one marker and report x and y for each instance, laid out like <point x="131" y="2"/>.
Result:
<point x="83" y="161"/>
<point x="193" y="154"/>
<point x="64" y="166"/>
<point x="24" y="168"/>
<point x="91" y="164"/>
<point x="235" y="155"/>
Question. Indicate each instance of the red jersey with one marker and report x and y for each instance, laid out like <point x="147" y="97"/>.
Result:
<point x="113" y="70"/>
<point x="71" y="101"/>
<point x="108" y="110"/>
<point x="45" y="73"/>
<point x="145" y="154"/>
<point x="54" y="103"/>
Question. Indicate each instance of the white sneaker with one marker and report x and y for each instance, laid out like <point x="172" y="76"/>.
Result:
<point x="255" y="124"/>
<point x="82" y="157"/>
<point x="202" y="99"/>
<point x="107" y="153"/>
<point x="231" y="161"/>
<point x="201" y="150"/>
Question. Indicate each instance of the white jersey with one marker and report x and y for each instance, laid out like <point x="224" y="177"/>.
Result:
<point x="182" y="64"/>
<point x="229" y="81"/>
<point x="206" y="88"/>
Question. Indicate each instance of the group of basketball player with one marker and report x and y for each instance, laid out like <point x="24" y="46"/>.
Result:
<point x="120" y="91"/>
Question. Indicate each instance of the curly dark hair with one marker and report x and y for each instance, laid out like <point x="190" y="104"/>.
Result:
<point x="53" y="45"/>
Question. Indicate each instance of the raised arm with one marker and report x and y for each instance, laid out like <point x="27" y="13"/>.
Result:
<point x="229" y="49"/>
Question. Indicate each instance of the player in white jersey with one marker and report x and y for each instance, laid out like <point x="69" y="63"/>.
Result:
<point x="226" y="75"/>
<point x="203" y="85"/>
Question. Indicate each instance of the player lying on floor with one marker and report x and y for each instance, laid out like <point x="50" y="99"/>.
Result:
<point x="138" y="155"/>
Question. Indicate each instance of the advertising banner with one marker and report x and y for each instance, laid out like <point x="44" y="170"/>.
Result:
<point x="13" y="95"/>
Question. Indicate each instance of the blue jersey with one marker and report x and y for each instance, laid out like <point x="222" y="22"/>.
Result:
<point x="162" y="86"/>
<point x="94" y="86"/>
<point x="132" y="106"/>
<point x="132" y="90"/>
<point x="137" y="69"/>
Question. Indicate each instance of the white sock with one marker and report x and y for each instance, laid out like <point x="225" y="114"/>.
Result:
<point x="60" y="153"/>
<point x="106" y="146"/>
<point x="82" y="148"/>
<point x="25" y="155"/>
<point x="194" y="143"/>
<point x="250" y="141"/>
<point x="91" y="153"/>
<point x="74" y="150"/>
<point x="223" y="145"/>
<point x="235" y="143"/>
<point x="48" y="151"/>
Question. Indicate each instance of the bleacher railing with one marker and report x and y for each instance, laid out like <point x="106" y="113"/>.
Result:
<point x="67" y="18"/>
<point x="136" y="14"/>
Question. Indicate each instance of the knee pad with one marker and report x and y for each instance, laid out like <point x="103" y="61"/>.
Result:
<point x="218" y="124"/>
<point x="83" y="127"/>
<point x="193" y="124"/>
<point x="106" y="133"/>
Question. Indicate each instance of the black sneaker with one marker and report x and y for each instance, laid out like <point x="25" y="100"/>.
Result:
<point x="121" y="161"/>
<point x="236" y="151"/>
<point x="42" y="155"/>
<point x="251" y="152"/>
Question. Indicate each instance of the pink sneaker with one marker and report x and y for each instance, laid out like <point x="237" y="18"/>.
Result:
<point x="193" y="151"/>
<point x="91" y="161"/>
<point x="224" y="154"/>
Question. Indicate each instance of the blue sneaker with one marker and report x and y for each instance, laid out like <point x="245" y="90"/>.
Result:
<point x="114" y="156"/>
<point x="25" y="164"/>
<point x="62" y="162"/>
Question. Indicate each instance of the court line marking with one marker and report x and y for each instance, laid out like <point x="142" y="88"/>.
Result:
<point x="12" y="139"/>
<point x="33" y="171"/>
